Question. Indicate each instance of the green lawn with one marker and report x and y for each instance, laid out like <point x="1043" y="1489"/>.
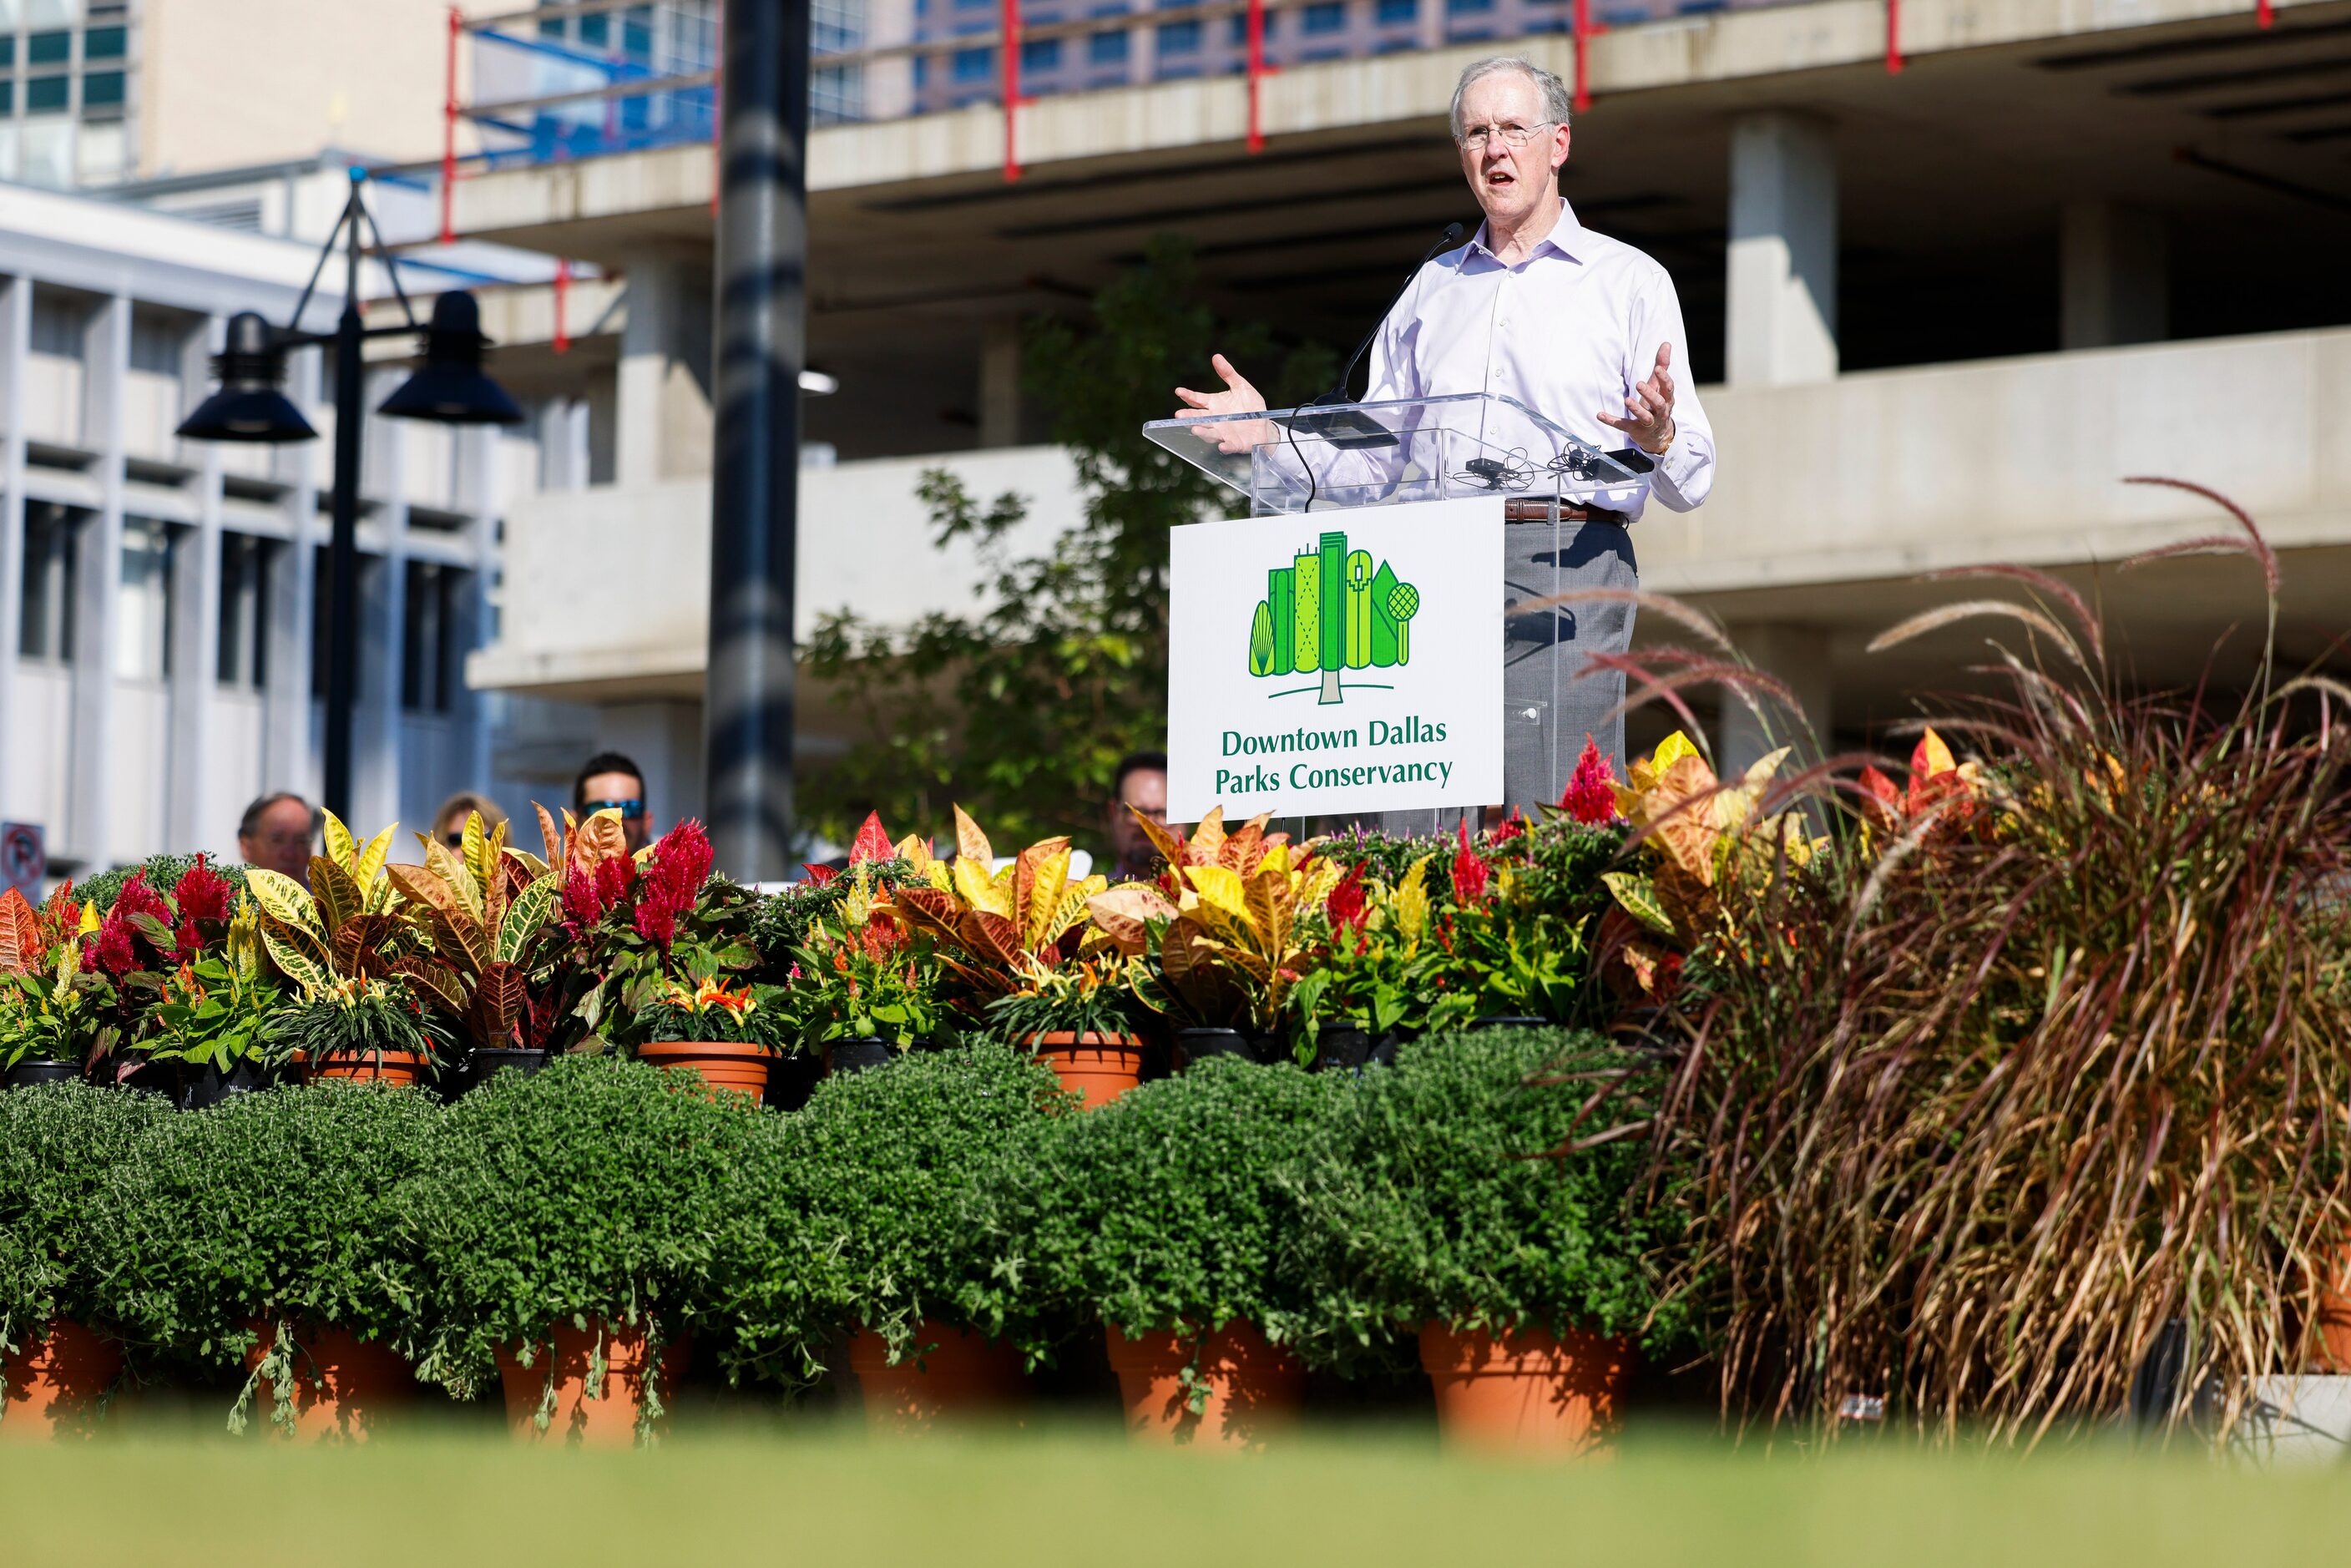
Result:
<point x="821" y="1493"/>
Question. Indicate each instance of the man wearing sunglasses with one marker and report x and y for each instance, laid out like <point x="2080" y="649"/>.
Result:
<point x="612" y="783"/>
<point x="1584" y="330"/>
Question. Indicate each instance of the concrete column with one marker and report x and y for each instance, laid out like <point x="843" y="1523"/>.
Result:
<point x="106" y="364"/>
<point x="192" y="819"/>
<point x="15" y="341"/>
<point x="290" y="743"/>
<point x="1000" y="384"/>
<point x="1781" y="314"/>
<point x="665" y="414"/>
<point x="1800" y="658"/>
<point x="2115" y="276"/>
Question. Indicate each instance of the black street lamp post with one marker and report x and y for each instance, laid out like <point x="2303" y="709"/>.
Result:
<point x="450" y="389"/>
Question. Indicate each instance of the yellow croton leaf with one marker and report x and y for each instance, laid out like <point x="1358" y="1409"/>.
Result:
<point x="970" y="843"/>
<point x="1221" y="889"/>
<point x="1933" y="759"/>
<point x="915" y="851"/>
<point x="977" y="888"/>
<point x="1051" y="875"/>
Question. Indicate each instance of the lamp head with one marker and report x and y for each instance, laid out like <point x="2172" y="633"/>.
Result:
<point x="248" y="406"/>
<point x="451" y="387"/>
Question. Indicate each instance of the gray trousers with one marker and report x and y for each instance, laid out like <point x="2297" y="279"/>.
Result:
<point x="1551" y="700"/>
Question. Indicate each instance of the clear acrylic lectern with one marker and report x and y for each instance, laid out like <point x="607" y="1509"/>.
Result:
<point x="1338" y="456"/>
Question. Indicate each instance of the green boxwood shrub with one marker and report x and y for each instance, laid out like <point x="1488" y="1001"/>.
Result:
<point x="856" y="1221"/>
<point x="281" y="1206"/>
<point x="1419" y="1199"/>
<point x="58" y="1141"/>
<point x="1161" y="1211"/>
<point x="599" y="1188"/>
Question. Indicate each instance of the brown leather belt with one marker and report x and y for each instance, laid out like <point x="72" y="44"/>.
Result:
<point x="1528" y="509"/>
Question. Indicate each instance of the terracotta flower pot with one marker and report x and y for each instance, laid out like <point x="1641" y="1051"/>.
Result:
<point x="960" y="1375"/>
<point x="1100" y="1066"/>
<point x="58" y="1388"/>
<point x="1254" y="1387"/>
<point x="724" y="1064"/>
<point x="604" y="1416"/>
<point x="373" y="1067"/>
<point x="1526" y="1390"/>
<point x="344" y="1387"/>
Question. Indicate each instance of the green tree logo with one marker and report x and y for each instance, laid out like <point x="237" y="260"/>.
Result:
<point x="1329" y="611"/>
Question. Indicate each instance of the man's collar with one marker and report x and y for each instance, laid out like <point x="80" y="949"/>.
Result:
<point x="1567" y="238"/>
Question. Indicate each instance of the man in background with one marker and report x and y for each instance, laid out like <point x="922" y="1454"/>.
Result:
<point x="1139" y="785"/>
<point x="277" y="833"/>
<point x="610" y="781"/>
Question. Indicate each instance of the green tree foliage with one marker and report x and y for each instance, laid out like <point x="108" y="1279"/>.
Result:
<point x="1020" y="711"/>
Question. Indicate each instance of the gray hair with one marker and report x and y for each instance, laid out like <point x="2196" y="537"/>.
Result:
<point x="1554" y="91"/>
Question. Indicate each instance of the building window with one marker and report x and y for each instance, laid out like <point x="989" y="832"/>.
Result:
<point x="1463" y="8"/>
<point x="45" y="604"/>
<point x="101" y="93"/>
<point x="244" y="612"/>
<point x="104" y="43"/>
<point x="143" y="615"/>
<point x="1044" y="55"/>
<point x="974" y="65"/>
<point x="1324" y="18"/>
<point x="1106" y="48"/>
<point x="48" y="49"/>
<point x="1399" y="10"/>
<point x="1179" y="38"/>
<point x="428" y="649"/>
<point x="7" y="49"/>
<point x="45" y="95"/>
<point x="7" y="98"/>
<point x="1239" y="27"/>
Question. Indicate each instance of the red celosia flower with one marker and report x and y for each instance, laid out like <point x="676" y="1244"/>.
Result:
<point x="1346" y="904"/>
<point x="582" y="907"/>
<point x="110" y="952"/>
<point x="1469" y="872"/>
<point x="614" y="878"/>
<point x="656" y="923"/>
<point x="203" y="894"/>
<point x="681" y="865"/>
<point x="1510" y="829"/>
<point x="1590" y="797"/>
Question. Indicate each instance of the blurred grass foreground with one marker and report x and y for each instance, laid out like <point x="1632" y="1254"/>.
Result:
<point x="817" y="1494"/>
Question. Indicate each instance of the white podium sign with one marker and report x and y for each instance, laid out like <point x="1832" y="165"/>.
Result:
<point x="1336" y="662"/>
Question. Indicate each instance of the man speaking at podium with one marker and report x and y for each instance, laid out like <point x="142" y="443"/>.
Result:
<point x="1584" y="330"/>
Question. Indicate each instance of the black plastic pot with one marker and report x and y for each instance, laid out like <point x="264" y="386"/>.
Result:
<point x="857" y="1055"/>
<point x="208" y="1086"/>
<point x="26" y="1073"/>
<point x="160" y="1079"/>
<point x="1199" y="1044"/>
<point x="1509" y="1020"/>
<point x="1342" y="1049"/>
<point x="791" y="1079"/>
<point x="1346" y="1049"/>
<point x="483" y="1066"/>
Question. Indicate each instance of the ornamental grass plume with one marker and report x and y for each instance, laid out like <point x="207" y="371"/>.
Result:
<point x="2033" y="1062"/>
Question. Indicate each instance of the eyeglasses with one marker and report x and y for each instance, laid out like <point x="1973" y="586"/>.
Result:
<point x="1511" y="135"/>
<point x="455" y="841"/>
<point x="630" y="809"/>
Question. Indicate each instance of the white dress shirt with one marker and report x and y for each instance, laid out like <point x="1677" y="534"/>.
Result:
<point x="1569" y="332"/>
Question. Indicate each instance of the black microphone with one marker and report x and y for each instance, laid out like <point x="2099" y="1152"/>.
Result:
<point x="1338" y="392"/>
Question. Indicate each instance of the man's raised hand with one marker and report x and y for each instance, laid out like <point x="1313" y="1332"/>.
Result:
<point x="1649" y="416"/>
<point x="1239" y="397"/>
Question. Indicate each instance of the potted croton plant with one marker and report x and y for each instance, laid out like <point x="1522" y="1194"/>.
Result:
<point x="1216" y="948"/>
<point x="51" y="1009"/>
<point x="339" y="943"/>
<point x="1467" y="1199"/>
<point x="1021" y="937"/>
